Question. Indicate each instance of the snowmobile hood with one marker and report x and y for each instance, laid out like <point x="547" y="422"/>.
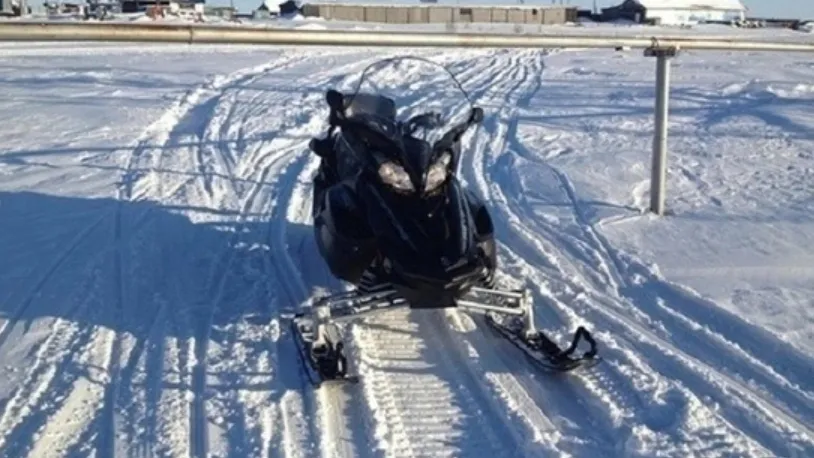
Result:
<point x="416" y="157"/>
<point x="423" y="235"/>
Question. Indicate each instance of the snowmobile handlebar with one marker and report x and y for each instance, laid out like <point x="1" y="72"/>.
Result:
<point x="455" y="134"/>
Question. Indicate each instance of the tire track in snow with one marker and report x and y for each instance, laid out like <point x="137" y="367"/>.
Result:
<point x="587" y="244"/>
<point x="596" y="390"/>
<point x="520" y="384"/>
<point x="10" y="322"/>
<point x="168" y="126"/>
<point x="57" y="378"/>
<point x="200" y="440"/>
<point x="680" y="311"/>
<point x="107" y="431"/>
<point x="254" y="162"/>
<point x="610" y="271"/>
<point x="581" y="256"/>
<point x="602" y="417"/>
<point x="426" y="397"/>
<point x="165" y="132"/>
<point x="637" y="284"/>
<point x="508" y="133"/>
<point x="44" y="375"/>
<point x="290" y="158"/>
<point x="331" y="402"/>
<point x="130" y="189"/>
<point x="74" y="423"/>
<point x="186" y="126"/>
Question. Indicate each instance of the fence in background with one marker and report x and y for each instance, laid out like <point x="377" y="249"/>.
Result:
<point x="661" y="48"/>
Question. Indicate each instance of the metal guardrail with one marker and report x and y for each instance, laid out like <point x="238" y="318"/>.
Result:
<point x="209" y="34"/>
<point x="663" y="48"/>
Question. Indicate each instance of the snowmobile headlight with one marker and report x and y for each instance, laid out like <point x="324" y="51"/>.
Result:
<point x="395" y="176"/>
<point x="437" y="173"/>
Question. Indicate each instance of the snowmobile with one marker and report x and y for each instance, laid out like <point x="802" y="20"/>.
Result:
<point x="391" y="218"/>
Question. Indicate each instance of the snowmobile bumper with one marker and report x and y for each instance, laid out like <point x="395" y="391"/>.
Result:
<point x="440" y="289"/>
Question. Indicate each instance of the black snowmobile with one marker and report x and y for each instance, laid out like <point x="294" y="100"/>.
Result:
<point x="391" y="218"/>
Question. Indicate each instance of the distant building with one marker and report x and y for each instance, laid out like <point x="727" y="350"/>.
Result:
<point x="271" y="9"/>
<point x="14" y="8"/>
<point x="443" y="12"/>
<point x="66" y="7"/>
<point x="225" y="12"/>
<point x="138" y="6"/>
<point x="288" y="8"/>
<point x="677" y="11"/>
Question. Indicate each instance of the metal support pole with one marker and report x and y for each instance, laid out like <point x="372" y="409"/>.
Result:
<point x="658" y="175"/>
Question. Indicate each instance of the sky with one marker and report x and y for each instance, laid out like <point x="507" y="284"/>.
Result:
<point x="791" y="9"/>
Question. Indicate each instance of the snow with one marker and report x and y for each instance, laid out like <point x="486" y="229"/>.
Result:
<point x="273" y="6"/>
<point x="154" y="229"/>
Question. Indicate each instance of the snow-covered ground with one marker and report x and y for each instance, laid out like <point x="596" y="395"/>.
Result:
<point x="153" y="225"/>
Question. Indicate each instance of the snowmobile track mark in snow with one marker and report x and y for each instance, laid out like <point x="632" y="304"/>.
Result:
<point x="106" y="439"/>
<point x="612" y="264"/>
<point x="51" y="381"/>
<point x="333" y="399"/>
<point x="514" y="93"/>
<point x="615" y="269"/>
<point x="11" y="321"/>
<point x="323" y="318"/>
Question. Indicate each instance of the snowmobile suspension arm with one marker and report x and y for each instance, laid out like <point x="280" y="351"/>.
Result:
<point x="350" y="305"/>
<point x="326" y="354"/>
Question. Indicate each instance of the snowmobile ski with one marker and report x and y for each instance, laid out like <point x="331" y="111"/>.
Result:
<point x="543" y="352"/>
<point x="324" y="362"/>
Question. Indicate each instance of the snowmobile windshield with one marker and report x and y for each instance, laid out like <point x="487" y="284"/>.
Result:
<point x="406" y="98"/>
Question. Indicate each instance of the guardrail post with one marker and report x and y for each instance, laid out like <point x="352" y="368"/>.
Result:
<point x="658" y="176"/>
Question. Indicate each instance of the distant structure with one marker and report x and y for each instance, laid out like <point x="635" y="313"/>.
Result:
<point x="677" y="12"/>
<point x="14" y="8"/>
<point x="267" y="9"/>
<point x="441" y="11"/>
<point x="136" y="6"/>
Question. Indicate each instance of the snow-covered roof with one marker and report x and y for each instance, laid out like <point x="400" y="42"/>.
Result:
<point x="272" y="6"/>
<point x="733" y="5"/>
